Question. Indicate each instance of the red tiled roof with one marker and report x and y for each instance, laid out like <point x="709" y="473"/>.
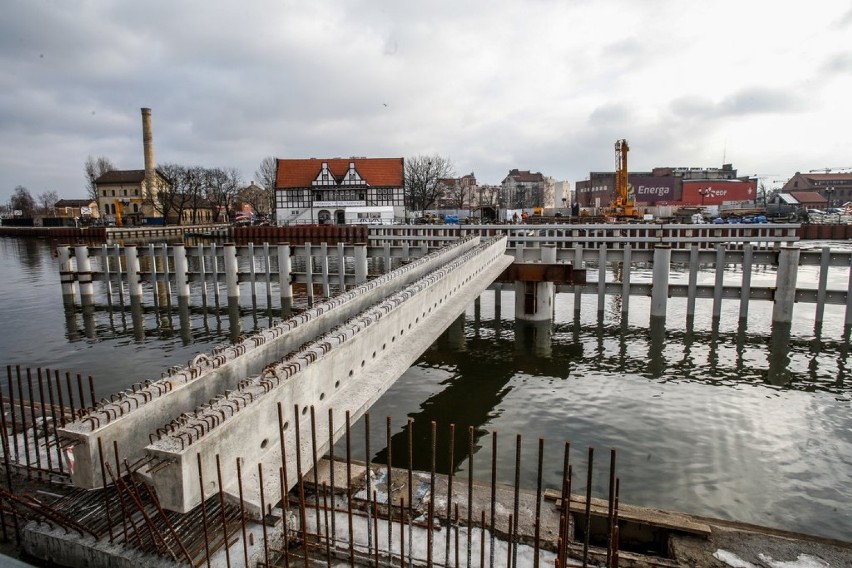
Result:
<point x="808" y="197"/>
<point x="377" y="172"/>
<point x="829" y="177"/>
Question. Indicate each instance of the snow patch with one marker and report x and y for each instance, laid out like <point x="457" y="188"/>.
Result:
<point x="802" y="561"/>
<point x="732" y="559"/>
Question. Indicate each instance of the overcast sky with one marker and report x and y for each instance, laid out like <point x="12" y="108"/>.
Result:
<point x="541" y="85"/>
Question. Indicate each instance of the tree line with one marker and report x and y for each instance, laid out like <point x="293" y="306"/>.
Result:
<point x="188" y="190"/>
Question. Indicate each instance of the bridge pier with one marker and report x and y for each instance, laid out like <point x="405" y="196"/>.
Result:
<point x="285" y="283"/>
<point x="785" y="285"/>
<point x="84" y="275"/>
<point x="534" y="300"/>
<point x="660" y="288"/>
<point x="66" y="274"/>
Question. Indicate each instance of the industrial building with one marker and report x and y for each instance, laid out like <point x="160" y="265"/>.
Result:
<point x="671" y="186"/>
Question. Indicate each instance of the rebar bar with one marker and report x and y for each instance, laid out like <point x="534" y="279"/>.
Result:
<point x="588" y="520"/>
<point x="204" y="508"/>
<point x="222" y="505"/>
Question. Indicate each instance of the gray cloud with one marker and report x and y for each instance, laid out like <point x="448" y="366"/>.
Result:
<point x="749" y="101"/>
<point x="493" y="85"/>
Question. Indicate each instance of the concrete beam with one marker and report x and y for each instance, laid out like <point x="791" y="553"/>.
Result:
<point x="346" y="370"/>
<point x="151" y="408"/>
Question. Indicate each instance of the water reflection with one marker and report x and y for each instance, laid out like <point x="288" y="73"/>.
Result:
<point x="164" y="321"/>
<point x="483" y="359"/>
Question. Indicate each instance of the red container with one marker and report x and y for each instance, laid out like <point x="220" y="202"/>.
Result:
<point x="717" y="192"/>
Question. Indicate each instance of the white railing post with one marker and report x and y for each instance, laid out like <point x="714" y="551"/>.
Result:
<point x="660" y="285"/>
<point x="785" y="285"/>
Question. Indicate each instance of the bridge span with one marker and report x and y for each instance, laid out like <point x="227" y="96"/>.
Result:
<point x="342" y="354"/>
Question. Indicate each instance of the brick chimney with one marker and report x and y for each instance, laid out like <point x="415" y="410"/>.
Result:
<point x="148" y="146"/>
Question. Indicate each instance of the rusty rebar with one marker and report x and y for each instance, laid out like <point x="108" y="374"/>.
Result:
<point x="70" y="395"/>
<point x="83" y="407"/>
<point x="59" y="396"/>
<point x="23" y="419"/>
<point x="431" y="508"/>
<point x="536" y="537"/>
<point x="34" y="422"/>
<point x="124" y="508"/>
<point x="493" y="519"/>
<point x="564" y="501"/>
<point x="315" y="468"/>
<point x="44" y="420"/>
<point x="302" y="515"/>
<point x="369" y="482"/>
<point x="55" y="425"/>
<point x="263" y="517"/>
<point x="156" y="536"/>
<point x="616" y="544"/>
<point x="14" y="420"/>
<point x="390" y="486"/>
<point x="376" y="526"/>
<point x="243" y="516"/>
<point x="153" y="498"/>
<point x="481" y="539"/>
<point x="470" y="442"/>
<point x="611" y="507"/>
<point x="204" y="508"/>
<point x="401" y="532"/>
<point x="451" y="456"/>
<point x="224" y="517"/>
<point x="457" y="534"/>
<point x="588" y="520"/>
<point x="92" y="392"/>
<point x="349" y="490"/>
<point x="106" y="492"/>
<point x="331" y="469"/>
<point x="282" y="478"/>
<point x="517" y="498"/>
<point x="325" y="519"/>
<point x="5" y="442"/>
<point x="509" y="540"/>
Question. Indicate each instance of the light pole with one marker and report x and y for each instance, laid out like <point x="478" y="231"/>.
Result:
<point x="829" y="191"/>
<point x="703" y="192"/>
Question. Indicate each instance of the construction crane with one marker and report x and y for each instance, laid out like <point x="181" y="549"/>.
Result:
<point x="624" y="204"/>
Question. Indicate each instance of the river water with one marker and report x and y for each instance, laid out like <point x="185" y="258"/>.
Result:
<point x="703" y="418"/>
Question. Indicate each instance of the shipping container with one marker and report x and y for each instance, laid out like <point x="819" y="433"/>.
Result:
<point x="718" y="192"/>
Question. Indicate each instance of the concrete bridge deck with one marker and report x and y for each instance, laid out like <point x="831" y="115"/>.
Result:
<point x="344" y="352"/>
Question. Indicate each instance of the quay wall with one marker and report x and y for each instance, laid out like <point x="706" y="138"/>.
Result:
<point x="298" y="234"/>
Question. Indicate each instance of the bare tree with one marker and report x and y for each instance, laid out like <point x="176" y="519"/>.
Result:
<point x="47" y="201"/>
<point x="266" y="176"/>
<point x="95" y="168"/>
<point x="22" y="200"/>
<point x="423" y="175"/>
<point x="221" y="190"/>
<point x="171" y="193"/>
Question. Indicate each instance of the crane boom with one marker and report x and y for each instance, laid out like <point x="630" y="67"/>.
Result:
<point x="623" y="206"/>
<point x="622" y="199"/>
